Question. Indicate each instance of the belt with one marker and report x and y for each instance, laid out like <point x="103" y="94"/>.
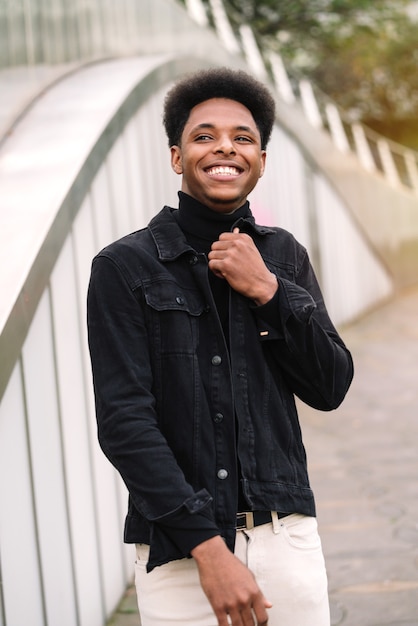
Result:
<point x="250" y="519"/>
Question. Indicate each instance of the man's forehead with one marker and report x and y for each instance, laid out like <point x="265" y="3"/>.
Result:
<point x="215" y="111"/>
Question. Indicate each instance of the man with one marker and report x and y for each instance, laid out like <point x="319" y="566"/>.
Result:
<point x="202" y="328"/>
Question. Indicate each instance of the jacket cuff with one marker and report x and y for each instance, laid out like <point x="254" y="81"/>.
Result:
<point x="290" y="300"/>
<point x="175" y="535"/>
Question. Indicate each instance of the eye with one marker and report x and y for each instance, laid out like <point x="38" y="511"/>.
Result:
<point x="243" y="139"/>
<point x="203" y="138"/>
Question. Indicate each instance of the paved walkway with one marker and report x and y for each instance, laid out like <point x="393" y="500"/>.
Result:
<point x="364" y="470"/>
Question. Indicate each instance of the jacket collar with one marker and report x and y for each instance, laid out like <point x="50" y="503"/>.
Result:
<point x="171" y="242"/>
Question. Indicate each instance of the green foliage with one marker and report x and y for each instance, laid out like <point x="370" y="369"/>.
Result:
<point x="305" y="21"/>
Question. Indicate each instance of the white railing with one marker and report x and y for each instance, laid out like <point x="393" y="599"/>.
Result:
<point x="62" y="505"/>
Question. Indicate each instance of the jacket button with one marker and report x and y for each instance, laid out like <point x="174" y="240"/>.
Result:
<point x="193" y="260"/>
<point x="218" y="417"/>
<point x="180" y="300"/>
<point x="216" y="360"/>
<point x="222" y="474"/>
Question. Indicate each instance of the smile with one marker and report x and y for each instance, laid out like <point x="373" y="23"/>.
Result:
<point x="223" y="171"/>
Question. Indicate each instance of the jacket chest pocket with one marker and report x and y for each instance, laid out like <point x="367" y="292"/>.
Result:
<point x="174" y="315"/>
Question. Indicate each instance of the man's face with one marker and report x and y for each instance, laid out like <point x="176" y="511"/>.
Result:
<point x="220" y="157"/>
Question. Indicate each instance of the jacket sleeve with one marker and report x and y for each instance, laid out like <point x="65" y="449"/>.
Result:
<point x="301" y="342"/>
<point x="128" y="429"/>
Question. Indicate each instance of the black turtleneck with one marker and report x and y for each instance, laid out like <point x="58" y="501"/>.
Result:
<point x="202" y="227"/>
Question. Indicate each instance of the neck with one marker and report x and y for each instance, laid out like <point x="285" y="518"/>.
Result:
<point x="198" y="220"/>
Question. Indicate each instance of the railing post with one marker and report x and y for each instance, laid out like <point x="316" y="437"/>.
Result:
<point x="223" y="27"/>
<point x="197" y="11"/>
<point x="281" y="79"/>
<point x="362" y="148"/>
<point x="388" y="164"/>
<point x="309" y="103"/>
<point x="336" y="127"/>
<point x="252" y="52"/>
<point x="411" y="168"/>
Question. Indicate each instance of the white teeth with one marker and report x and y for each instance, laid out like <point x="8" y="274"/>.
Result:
<point x="223" y="171"/>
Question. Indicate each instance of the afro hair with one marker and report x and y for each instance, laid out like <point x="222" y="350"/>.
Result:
<point x="218" y="83"/>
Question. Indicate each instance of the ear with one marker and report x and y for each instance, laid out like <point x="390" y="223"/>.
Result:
<point x="263" y="162"/>
<point x="176" y="159"/>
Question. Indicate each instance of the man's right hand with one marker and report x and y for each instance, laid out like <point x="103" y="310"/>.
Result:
<point x="229" y="585"/>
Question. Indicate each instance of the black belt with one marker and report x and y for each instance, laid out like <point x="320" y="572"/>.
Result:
<point x="251" y="519"/>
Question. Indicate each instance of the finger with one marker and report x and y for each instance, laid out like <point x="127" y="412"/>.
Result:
<point x="218" y="273"/>
<point x="223" y="620"/>
<point x="237" y="619"/>
<point x="260" y="611"/>
<point x="224" y="242"/>
<point x="231" y="236"/>
<point x="247" y="617"/>
<point x="230" y="241"/>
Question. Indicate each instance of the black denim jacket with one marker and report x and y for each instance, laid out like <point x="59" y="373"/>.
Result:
<point x="176" y="409"/>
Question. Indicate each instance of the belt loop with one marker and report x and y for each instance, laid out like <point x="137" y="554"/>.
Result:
<point x="276" y="522"/>
<point x="249" y="519"/>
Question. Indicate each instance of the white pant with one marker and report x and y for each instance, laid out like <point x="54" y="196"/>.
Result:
<point x="286" y="558"/>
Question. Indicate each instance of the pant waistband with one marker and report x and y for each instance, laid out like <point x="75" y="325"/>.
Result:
<point x="251" y="519"/>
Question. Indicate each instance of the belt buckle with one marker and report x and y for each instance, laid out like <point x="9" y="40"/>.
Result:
<point x="245" y="521"/>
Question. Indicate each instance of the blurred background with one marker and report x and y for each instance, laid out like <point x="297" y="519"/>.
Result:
<point x="84" y="160"/>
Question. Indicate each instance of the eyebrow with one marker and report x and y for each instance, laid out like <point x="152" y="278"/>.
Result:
<point x="204" y="125"/>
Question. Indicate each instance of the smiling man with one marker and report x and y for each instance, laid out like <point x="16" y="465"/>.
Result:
<point x="202" y="329"/>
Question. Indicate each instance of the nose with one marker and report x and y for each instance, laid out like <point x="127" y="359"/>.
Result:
<point x="225" y="145"/>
